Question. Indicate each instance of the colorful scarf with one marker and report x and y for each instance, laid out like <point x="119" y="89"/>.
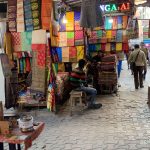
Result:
<point x="65" y="54"/>
<point x="79" y="38"/>
<point x="72" y="54"/>
<point x="120" y="22"/>
<point x="80" y="52"/>
<point x="77" y="21"/>
<point x="62" y="39"/>
<point x="70" y="19"/>
<point x="119" y="47"/>
<point x="119" y="35"/>
<point x="70" y="38"/>
<point x="46" y="14"/>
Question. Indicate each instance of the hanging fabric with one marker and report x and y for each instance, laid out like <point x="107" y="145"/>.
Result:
<point x="12" y="15"/>
<point x="20" y="16"/>
<point x="91" y="15"/>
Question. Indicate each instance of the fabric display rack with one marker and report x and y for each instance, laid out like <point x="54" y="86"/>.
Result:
<point x="112" y="37"/>
<point x="107" y="74"/>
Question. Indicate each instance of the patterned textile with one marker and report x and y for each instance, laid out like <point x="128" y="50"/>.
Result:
<point x="72" y="54"/>
<point x="12" y="15"/>
<point x="65" y="54"/>
<point x="114" y="34"/>
<point x="70" y="19"/>
<point x="109" y="58"/>
<point x="61" y="67"/>
<point x="36" y="18"/>
<point x="16" y="41"/>
<point x="36" y="39"/>
<point x="28" y="15"/>
<point x="119" y="47"/>
<point x="20" y="16"/>
<point x="119" y="35"/>
<point x="109" y="34"/>
<point x="125" y="47"/>
<point x="70" y="38"/>
<point x="79" y="38"/>
<point x="119" y="22"/>
<point x="77" y="21"/>
<point x="80" y="52"/>
<point x="26" y="39"/>
<point x="62" y="39"/>
<point x="55" y="55"/>
<point x="38" y="74"/>
<point x="46" y="14"/>
<point x="107" y="66"/>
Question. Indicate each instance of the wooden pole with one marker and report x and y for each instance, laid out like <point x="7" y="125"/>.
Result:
<point x="1" y="111"/>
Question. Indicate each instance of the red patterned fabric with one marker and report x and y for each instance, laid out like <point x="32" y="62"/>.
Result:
<point x="16" y="40"/>
<point x="41" y="60"/>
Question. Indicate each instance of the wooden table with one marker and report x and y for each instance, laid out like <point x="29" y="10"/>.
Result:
<point x="17" y="137"/>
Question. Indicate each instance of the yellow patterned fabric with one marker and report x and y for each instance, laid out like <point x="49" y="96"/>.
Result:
<point x="61" y="67"/>
<point x="80" y="52"/>
<point x="108" y="47"/>
<point x="109" y="34"/>
<point x="119" y="47"/>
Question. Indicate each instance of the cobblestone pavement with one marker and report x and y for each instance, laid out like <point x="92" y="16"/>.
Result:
<point x="122" y="123"/>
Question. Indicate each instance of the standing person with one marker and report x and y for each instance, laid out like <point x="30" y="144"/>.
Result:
<point x="138" y="57"/>
<point x="78" y="82"/>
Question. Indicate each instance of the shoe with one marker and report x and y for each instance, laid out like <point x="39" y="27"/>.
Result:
<point x="136" y="88"/>
<point x="142" y="86"/>
<point x="95" y="106"/>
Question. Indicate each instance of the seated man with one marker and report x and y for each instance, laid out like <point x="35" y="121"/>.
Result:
<point x="78" y="82"/>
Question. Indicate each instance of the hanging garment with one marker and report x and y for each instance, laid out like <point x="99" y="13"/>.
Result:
<point x="9" y="97"/>
<point x="91" y="15"/>
<point x="8" y="45"/>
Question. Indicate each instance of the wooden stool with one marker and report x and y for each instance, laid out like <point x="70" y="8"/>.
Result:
<point x="77" y="97"/>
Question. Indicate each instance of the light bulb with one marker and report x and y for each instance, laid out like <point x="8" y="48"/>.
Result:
<point x="65" y="21"/>
<point x="111" y="20"/>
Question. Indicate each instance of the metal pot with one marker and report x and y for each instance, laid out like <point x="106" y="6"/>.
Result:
<point x="26" y="123"/>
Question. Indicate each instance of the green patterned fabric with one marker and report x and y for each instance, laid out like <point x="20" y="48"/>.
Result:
<point x="26" y="38"/>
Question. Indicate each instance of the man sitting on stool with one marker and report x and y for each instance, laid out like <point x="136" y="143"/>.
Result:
<point x="78" y="82"/>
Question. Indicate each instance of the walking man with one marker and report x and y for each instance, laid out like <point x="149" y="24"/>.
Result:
<point x="138" y="57"/>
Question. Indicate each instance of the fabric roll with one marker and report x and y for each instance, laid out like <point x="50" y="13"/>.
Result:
<point x="125" y="21"/>
<point x="46" y="14"/>
<point x="125" y="38"/>
<point x="70" y="39"/>
<point x="119" y="35"/>
<point x="109" y="58"/>
<point x="80" y="52"/>
<point x="70" y="21"/>
<point x="79" y="38"/>
<point x="20" y="16"/>
<point x="72" y="54"/>
<point x="16" y="41"/>
<point x="12" y="15"/>
<point x="65" y="54"/>
<point x="28" y="15"/>
<point x="108" y="47"/>
<point x="103" y="46"/>
<point x="119" y="22"/>
<point x="62" y="39"/>
<point x="118" y="46"/>
<point x="26" y="39"/>
<point x="91" y="15"/>
<point x="115" y="23"/>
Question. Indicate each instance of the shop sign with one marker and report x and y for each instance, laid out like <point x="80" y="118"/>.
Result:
<point x="115" y="7"/>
